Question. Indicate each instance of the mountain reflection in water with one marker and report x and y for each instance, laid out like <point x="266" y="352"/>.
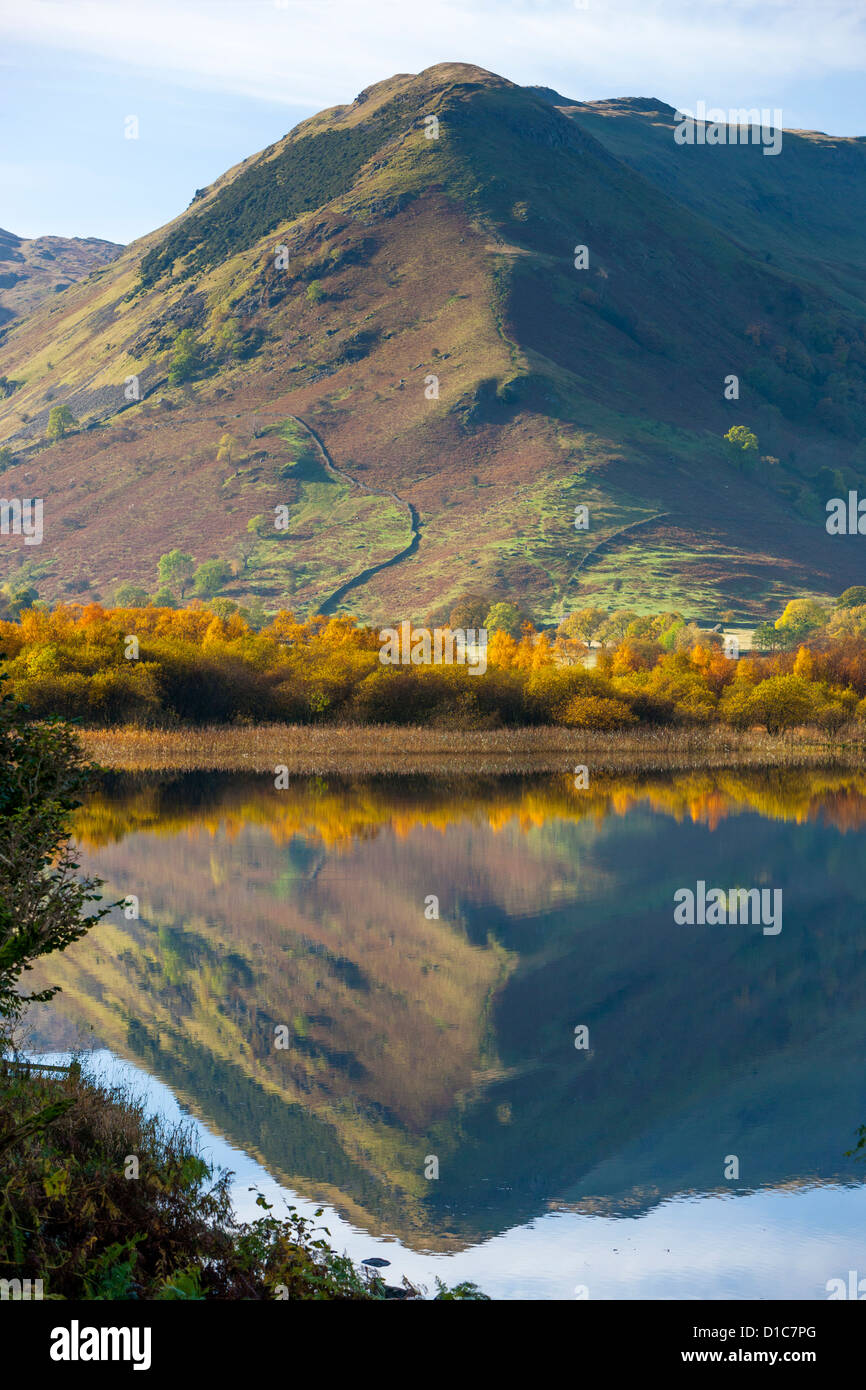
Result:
<point x="410" y="1036"/>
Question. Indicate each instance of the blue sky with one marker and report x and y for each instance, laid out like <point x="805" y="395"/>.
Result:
<point x="212" y="81"/>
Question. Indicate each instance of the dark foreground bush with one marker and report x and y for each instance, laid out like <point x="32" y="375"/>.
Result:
<point x="74" y="1214"/>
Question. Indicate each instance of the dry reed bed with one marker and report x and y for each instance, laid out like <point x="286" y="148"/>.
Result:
<point x="375" y="749"/>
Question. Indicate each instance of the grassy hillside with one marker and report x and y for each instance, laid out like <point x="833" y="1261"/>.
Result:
<point x="466" y="385"/>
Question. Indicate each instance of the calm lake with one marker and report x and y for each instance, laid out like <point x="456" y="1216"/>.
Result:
<point x="288" y="987"/>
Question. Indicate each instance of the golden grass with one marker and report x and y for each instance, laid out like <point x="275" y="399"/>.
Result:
<point x="372" y="749"/>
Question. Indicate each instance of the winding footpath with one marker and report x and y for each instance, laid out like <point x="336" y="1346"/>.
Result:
<point x="606" y="541"/>
<point x="328" y="607"/>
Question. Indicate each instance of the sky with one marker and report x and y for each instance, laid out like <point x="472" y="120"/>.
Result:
<point x="212" y="81"/>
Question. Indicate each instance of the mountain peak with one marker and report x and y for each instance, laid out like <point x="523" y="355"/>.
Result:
<point x="393" y="327"/>
<point x="432" y="79"/>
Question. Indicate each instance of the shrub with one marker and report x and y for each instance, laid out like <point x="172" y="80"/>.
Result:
<point x="70" y="1216"/>
<point x="597" y="712"/>
<point x="547" y="691"/>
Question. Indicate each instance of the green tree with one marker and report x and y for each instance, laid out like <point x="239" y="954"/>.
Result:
<point x="176" y="570"/>
<point x="20" y="595"/>
<point x="670" y="636"/>
<point x="7" y="458"/>
<point x="742" y="445"/>
<point x="60" y="422"/>
<point x="128" y="595"/>
<point x="42" y="897"/>
<point x="854" y="597"/>
<point x="210" y="577"/>
<point x="643" y="627"/>
<point x="315" y="293"/>
<point x="226" y="340"/>
<point x="254" y="613"/>
<point x="766" y="638"/>
<point x="185" y="358"/>
<point x="504" y="617"/>
<point x="164" y="598"/>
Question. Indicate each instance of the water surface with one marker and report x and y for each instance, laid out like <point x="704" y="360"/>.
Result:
<point x="308" y="917"/>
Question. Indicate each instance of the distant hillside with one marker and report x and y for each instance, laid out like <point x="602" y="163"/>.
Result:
<point x="430" y="385"/>
<point x="32" y="270"/>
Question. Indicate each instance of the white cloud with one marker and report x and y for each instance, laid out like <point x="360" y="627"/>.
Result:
<point x="321" y="52"/>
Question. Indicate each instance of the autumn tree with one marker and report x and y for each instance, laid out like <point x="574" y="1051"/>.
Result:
<point x="782" y="702"/>
<point x="469" y="612"/>
<point x="585" y="623"/>
<point x="848" y="622"/>
<point x="597" y="712"/>
<point x="617" y="625"/>
<point x="227" y="451"/>
<point x="801" y="617"/>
